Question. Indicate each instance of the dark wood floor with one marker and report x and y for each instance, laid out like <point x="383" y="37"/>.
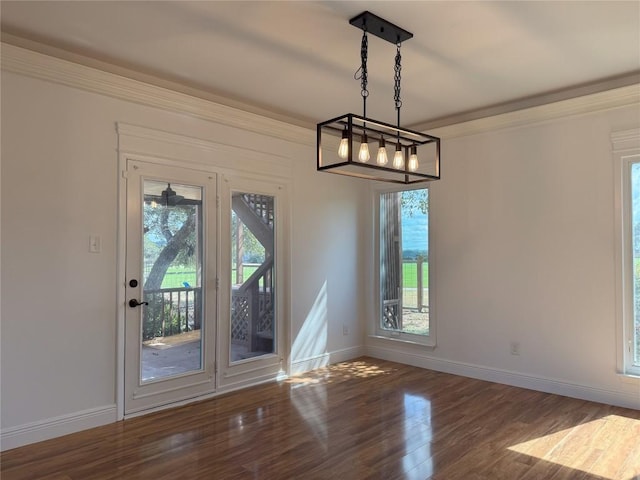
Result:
<point x="366" y="419"/>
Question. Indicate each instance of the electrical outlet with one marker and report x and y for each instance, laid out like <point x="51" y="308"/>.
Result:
<point x="345" y="329"/>
<point x="515" y="348"/>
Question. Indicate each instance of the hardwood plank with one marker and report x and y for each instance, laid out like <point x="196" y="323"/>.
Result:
<point x="365" y="419"/>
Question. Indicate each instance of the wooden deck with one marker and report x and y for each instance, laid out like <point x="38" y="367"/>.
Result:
<point x="366" y="419"/>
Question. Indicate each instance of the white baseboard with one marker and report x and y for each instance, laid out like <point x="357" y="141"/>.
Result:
<point x="20" y="435"/>
<point x="33" y="432"/>
<point x="324" y="359"/>
<point x="558" y="387"/>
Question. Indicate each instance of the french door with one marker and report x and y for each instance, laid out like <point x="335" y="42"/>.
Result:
<point x="170" y="269"/>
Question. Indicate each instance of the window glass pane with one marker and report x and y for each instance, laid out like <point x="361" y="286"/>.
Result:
<point x="172" y="248"/>
<point x="404" y="261"/>
<point x="252" y="275"/>
<point x="635" y="228"/>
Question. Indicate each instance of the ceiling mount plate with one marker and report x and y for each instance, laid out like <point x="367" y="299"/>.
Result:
<point x="380" y="28"/>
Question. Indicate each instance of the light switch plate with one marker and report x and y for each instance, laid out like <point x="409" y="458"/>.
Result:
<point x="95" y="244"/>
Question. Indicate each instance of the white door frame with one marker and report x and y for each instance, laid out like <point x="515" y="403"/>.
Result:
<point x="176" y="150"/>
<point x="142" y="396"/>
<point x="233" y="375"/>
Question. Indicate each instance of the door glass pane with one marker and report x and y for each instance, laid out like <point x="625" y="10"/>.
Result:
<point x="404" y="261"/>
<point x="635" y="226"/>
<point x="172" y="267"/>
<point x="252" y="275"/>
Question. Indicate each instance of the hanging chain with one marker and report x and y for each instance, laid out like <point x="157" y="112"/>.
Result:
<point x="398" y="77"/>
<point x="362" y="74"/>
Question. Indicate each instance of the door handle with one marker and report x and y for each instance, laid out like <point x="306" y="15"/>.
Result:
<point x="133" y="303"/>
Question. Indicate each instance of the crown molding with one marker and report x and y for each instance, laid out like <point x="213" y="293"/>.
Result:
<point x="615" y="98"/>
<point x="626" y="140"/>
<point x="44" y="67"/>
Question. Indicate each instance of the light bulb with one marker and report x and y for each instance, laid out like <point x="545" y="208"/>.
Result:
<point x="381" y="159"/>
<point x="413" y="159"/>
<point x="398" y="158"/>
<point x="343" y="149"/>
<point x="363" y="154"/>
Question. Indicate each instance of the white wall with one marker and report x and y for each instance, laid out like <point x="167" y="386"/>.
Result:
<point x="523" y="224"/>
<point x="59" y="185"/>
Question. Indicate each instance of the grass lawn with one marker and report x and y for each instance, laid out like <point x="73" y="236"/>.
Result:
<point x="176" y="275"/>
<point x="410" y="275"/>
<point x="247" y="271"/>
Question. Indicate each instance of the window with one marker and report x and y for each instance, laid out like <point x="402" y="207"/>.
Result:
<point x="634" y="319"/>
<point x="403" y="267"/>
<point x="253" y="306"/>
<point x="253" y="218"/>
<point x="627" y="159"/>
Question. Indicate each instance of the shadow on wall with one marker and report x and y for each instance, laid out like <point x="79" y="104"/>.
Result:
<point x="311" y="341"/>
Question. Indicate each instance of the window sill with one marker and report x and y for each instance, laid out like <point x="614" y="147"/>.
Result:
<point x="629" y="378"/>
<point x="428" y="343"/>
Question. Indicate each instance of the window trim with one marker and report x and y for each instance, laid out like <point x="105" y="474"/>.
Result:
<point x="626" y="151"/>
<point x="375" y="330"/>
<point x="235" y="374"/>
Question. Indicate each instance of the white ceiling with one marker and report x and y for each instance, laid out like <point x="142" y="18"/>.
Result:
<point x="297" y="59"/>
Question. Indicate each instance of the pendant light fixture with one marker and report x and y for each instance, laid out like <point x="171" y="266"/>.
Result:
<point x="169" y="197"/>
<point x="416" y="155"/>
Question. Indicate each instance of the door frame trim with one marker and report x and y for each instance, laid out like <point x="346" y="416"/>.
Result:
<point x="241" y="372"/>
<point x="175" y="150"/>
<point x="121" y="284"/>
<point x="141" y="395"/>
<point x="121" y="287"/>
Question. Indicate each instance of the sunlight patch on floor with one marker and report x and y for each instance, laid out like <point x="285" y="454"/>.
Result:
<point x="358" y="369"/>
<point x="339" y="371"/>
<point x="598" y="447"/>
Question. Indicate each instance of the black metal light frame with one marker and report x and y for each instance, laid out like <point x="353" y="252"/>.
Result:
<point x="355" y="127"/>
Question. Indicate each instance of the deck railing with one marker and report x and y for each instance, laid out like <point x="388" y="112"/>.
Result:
<point x="171" y="311"/>
<point x="177" y="310"/>
<point x="252" y="307"/>
<point x="414" y="273"/>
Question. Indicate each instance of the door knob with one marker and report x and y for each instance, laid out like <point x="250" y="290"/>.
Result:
<point x="135" y="303"/>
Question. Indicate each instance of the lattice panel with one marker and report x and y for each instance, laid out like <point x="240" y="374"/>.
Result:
<point x="390" y="317"/>
<point x="265" y="323"/>
<point x="240" y="318"/>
